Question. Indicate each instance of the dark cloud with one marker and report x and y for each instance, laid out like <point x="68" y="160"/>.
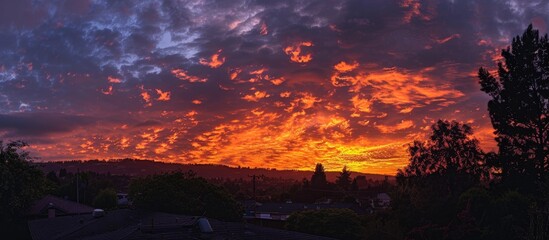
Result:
<point x="22" y="14"/>
<point x="230" y="81"/>
<point x="149" y="123"/>
<point x="42" y="124"/>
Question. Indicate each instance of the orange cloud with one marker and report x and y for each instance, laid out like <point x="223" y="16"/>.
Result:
<point x="88" y="146"/>
<point x="285" y="94"/>
<point x="485" y="135"/>
<point x="124" y="143"/>
<point x="406" y="110"/>
<point x="401" y="88"/>
<point x="296" y="142"/>
<point x="197" y="102"/>
<point x="256" y="96"/>
<point x="260" y="135"/>
<point x="277" y="81"/>
<point x="258" y="71"/>
<point x="361" y="104"/>
<point x="109" y="91"/>
<point x="215" y="61"/>
<point x="308" y="100"/>
<point x="345" y="67"/>
<point x="113" y="79"/>
<point x="413" y="9"/>
<point x="146" y="96"/>
<point x="148" y="137"/>
<point x="444" y="40"/>
<point x="484" y="42"/>
<point x="234" y="73"/>
<point x="162" y="148"/>
<point x="183" y="75"/>
<point x="191" y="114"/>
<point x="295" y="52"/>
<point x="163" y="96"/>
<point x="404" y="124"/>
<point x="172" y="138"/>
<point x="263" y="29"/>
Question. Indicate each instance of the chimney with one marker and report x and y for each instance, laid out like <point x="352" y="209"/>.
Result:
<point x="51" y="210"/>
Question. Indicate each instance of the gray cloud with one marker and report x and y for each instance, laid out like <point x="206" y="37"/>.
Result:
<point x="98" y="60"/>
<point x="42" y="124"/>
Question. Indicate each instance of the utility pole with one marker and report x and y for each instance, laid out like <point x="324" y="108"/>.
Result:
<point x="254" y="177"/>
<point x="77" y="190"/>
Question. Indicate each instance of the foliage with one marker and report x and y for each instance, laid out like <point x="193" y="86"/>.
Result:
<point x="508" y="217"/>
<point x="106" y="199"/>
<point x="337" y="223"/>
<point x="344" y="179"/>
<point x="52" y="177"/>
<point x="478" y="214"/>
<point x="90" y="185"/>
<point x="476" y="200"/>
<point x="496" y="216"/>
<point x="444" y="166"/>
<point x="519" y="108"/>
<point x="20" y="182"/>
<point x="449" y="151"/>
<point x="382" y="225"/>
<point x="184" y="193"/>
<point x="318" y="180"/>
<point x="439" y="171"/>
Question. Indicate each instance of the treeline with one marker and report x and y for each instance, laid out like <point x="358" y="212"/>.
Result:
<point x="91" y="186"/>
<point x="137" y="167"/>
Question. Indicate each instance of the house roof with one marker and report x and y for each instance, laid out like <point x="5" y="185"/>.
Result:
<point x="78" y="226"/>
<point x="62" y="206"/>
<point x="128" y="224"/>
<point x="289" y="208"/>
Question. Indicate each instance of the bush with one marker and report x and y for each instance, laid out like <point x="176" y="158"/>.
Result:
<point x="106" y="199"/>
<point x="184" y="193"/>
<point x="20" y="182"/>
<point x="337" y="223"/>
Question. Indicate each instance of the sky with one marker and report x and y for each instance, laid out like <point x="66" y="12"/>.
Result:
<point x="255" y="83"/>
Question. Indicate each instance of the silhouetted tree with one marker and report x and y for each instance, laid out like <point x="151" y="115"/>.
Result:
<point x="519" y="109"/>
<point x="20" y="182"/>
<point x="62" y="173"/>
<point x="306" y="183"/>
<point x="440" y="169"/>
<point x="52" y="177"/>
<point x="344" y="179"/>
<point x="106" y="199"/>
<point x="498" y="216"/>
<point x="184" y="193"/>
<point x="354" y="185"/>
<point x="448" y="152"/>
<point x="318" y="180"/>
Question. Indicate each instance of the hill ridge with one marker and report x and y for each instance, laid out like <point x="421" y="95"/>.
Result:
<point x="143" y="167"/>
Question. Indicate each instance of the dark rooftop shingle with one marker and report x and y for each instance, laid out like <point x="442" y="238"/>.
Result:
<point x="134" y="225"/>
<point x="62" y="206"/>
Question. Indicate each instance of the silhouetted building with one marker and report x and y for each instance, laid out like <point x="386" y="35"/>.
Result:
<point x="128" y="224"/>
<point x="49" y="205"/>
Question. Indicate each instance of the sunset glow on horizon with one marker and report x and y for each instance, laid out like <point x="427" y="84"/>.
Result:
<point x="271" y="84"/>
